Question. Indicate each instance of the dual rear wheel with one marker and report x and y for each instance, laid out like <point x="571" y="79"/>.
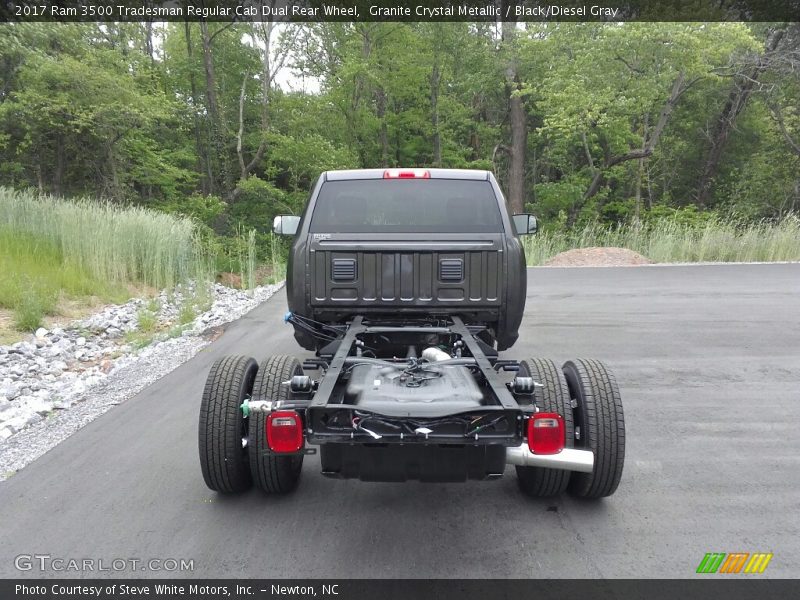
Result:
<point x="234" y="453"/>
<point x="585" y="393"/>
<point x="233" y="447"/>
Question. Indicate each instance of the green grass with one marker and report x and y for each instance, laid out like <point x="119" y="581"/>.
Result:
<point x="36" y="275"/>
<point x="109" y="242"/>
<point x="186" y="314"/>
<point x="53" y="249"/>
<point x="146" y="321"/>
<point x="138" y="339"/>
<point x="670" y="241"/>
<point x="154" y="305"/>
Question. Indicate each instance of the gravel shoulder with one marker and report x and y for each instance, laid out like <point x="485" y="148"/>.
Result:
<point x="58" y="381"/>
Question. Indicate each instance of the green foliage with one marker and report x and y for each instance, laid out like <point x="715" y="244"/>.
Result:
<point x="146" y="321"/>
<point x="110" y="243"/>
<point x="132" y="115"/>
<point x="186" y="314"/>
<point x="36" y="275"/>
<point x="138" y="340"/>
<point x="33" y="303"/>
<point x="257" y="204"/>
<point x="204" y="209"/>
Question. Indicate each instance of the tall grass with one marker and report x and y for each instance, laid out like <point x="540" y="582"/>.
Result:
<point x="670" y="241"/>
<point x="35" y="275"/>
<point x="112" y="243"/>
<point x="250" y="270"/>
<point x="278" y="263"/>
<point x="243" y="258"/>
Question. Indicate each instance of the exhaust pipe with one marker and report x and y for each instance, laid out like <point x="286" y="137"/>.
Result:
<point x="568" y="459"/>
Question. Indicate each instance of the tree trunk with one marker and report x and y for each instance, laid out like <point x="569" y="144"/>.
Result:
<point x="742" y="88"/>
<point x="359" y="91"/>
<point x="240" y="133"/>
<point x="223" y="180"/>
<point x="58" y="172"/>
<point x="148" y="43"/>
<point x="478" y="116"/>
<point x="518" y="123"/>
<point x="640" y="171"/>
<point x="383" y="133"/>
<point x="203" y="165"/>
<point x="777" y="113"/>
<point x="436" y="78"/>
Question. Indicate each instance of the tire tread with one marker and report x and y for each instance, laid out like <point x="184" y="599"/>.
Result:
<point x="222" y="461"/>
<point x="603" y="429"/>
<point x="553" y="397"/>
<point x="272" y="474"/>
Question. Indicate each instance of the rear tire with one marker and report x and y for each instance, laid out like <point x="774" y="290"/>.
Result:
<point x="222" y="428"/>
<point x="541" y="482"/>
<point x="600" y="422"/>
<point x="272" y="473"/>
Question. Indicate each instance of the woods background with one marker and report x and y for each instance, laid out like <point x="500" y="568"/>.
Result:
<point x="582" y="122"/>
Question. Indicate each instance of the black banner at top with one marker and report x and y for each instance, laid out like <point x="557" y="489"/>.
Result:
<point x="400" y="10"/>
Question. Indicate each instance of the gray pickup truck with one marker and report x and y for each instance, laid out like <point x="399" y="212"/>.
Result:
<point x="405" y="284"/>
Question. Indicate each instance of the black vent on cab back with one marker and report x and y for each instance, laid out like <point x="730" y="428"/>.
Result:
<point x="344" y="269"/>
<point x="451" y="269"/>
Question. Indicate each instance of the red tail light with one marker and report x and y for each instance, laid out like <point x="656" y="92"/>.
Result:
<point x="406" y="174"/>
<point x="546" y="433"/>
<point x="284" y="431"/>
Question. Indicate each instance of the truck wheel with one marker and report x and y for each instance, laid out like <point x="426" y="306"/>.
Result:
<point x="553" y="397"/>
<point x="272" y="473"/>
<point x="222" y="433"/>
<point x="599" y="426"/>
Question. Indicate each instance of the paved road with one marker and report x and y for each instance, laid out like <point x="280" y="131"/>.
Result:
<point x="708" y="361"/>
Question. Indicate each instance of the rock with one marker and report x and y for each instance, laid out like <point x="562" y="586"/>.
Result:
<point x="113" y="331"/>
<point x="41" y="332"/>
<point x="57" y="366"/>
<point x="5" y="433"/>
<point x="8" y="389"/>
<point x="81" y="341"/>
<point x="35" y="418"/>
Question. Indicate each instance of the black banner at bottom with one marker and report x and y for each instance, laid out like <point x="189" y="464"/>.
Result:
<point x="388" y="589"/>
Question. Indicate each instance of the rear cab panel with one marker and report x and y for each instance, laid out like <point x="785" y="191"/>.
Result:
<point x="441" y="244"/>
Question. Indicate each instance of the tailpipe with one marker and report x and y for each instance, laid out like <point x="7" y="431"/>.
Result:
<point x="569" y="459"/>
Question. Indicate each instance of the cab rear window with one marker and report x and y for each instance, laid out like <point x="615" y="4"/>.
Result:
<point x="406" y="206"/>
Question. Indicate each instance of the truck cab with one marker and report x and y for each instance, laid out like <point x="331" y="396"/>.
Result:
<point x="407" y="242"/>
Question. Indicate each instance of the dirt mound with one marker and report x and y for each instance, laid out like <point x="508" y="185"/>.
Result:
<point x="598" y="257"/>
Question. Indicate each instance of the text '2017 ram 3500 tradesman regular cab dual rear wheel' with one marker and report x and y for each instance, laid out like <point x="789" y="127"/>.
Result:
<point x="406" y="283"/>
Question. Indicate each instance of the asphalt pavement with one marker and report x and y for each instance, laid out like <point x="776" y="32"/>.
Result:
<point x="708" y="363"/>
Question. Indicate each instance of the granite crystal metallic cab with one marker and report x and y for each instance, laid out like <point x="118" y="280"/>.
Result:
<point x="405" y="284"/>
